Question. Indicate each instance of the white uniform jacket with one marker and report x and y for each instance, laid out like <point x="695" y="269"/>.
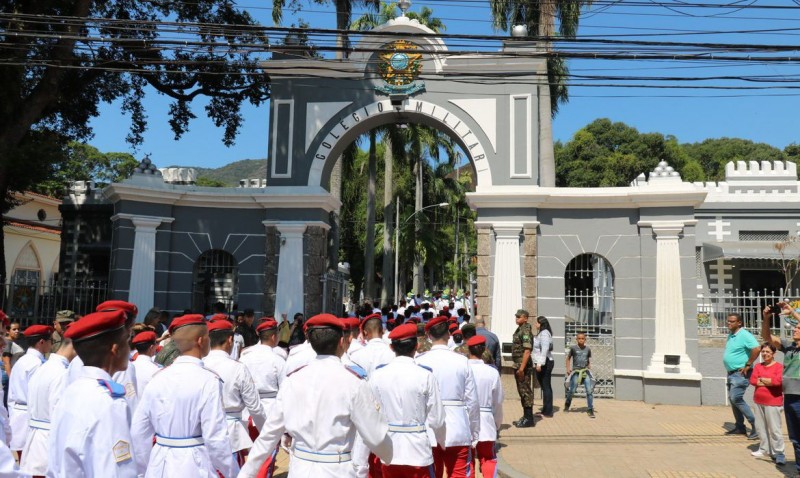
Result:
<point x="266" y="368"/>
<point x="299" y="356"/>
<point x="457" y="391"/>
<point x="8" y="464"/>
<point x="490" y="398"/>
<point x="238" y="392"/>
<point x="373" y="355"/>
<point x="322" y="406"/>
<point x="410" y="402"/>
<point x="182" y="407"/>
<point x="145" y="369"/>
<point x="126" y="378"/>
<point x="90" y="435"/>
<point x="21" y="375"/>
<point x="44" y="391"/>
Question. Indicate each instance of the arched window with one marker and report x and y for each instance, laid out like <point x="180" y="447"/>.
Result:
<point x="216" y="279"/>
<point x="27" y="268"/>
<point x="589" y="296"/>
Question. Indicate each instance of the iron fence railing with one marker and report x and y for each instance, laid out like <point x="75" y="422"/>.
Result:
<point x="713" y="310"/>
<point x="32" y="303"/>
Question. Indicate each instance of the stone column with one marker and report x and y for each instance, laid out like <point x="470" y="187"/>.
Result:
<point x="670" y="329"/>
<point x="507" y="273"/>
<point x="529" y="269"/>
<point x="483" y="290"/>
<point x="315" y="260"/>
<point x="143" y="266"/>
<point x="289" y="292"/>
<point x="272" y="248"/>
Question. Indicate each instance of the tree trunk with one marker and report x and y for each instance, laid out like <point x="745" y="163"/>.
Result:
<point x="369" y="246"/>
<point x="3" y="197"/>
<point x="547" y="161"/>
<point x="419" y="277"/>
<point x="387" y="287"/>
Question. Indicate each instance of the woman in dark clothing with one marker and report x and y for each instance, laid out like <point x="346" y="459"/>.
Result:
<point x="543" y="358"/>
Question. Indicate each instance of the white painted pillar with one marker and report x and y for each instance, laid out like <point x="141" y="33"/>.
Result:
<point x="670" y="327"/>
<point x="143" y="267"/>
<point x="290" y="288"/>
<point x="507" y="278"/>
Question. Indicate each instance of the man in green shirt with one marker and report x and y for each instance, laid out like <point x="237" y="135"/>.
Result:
<point x="521" y="347"/>
<point x="741" y="350"/>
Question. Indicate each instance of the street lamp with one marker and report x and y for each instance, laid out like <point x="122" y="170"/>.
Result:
<point x="397" y="241"/>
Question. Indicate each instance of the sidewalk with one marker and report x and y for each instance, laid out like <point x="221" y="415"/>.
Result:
<point x="629" y="439"/>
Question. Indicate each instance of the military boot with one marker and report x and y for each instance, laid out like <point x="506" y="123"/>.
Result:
<point x="527" y="420"/>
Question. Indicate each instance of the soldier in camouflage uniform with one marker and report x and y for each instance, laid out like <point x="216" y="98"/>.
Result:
<point x="63" y="319"/>
<point x="469" y="331"/>
<point x="523" y="367"/>
<point x="423" y="342"/>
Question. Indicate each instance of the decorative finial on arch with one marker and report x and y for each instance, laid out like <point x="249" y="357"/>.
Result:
<point x="404" y="5"/>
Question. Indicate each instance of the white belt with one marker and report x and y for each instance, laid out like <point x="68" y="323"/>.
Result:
<point x="171" y="442"/>
<point x="487" y="409"/>
<point x="406" y="428"/>
<point x="21" y="406"/>
<point x="235" y="416"/>
<point x="267" y="394"/>
<point x="39" y="424"/>
<point x="453" y="403"/>
<point x="318" y="457"/>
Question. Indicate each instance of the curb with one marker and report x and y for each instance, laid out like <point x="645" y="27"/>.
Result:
<point x="504" y="470"/>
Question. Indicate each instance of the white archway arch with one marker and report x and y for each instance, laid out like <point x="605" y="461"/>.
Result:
<point x="332" y="140"/>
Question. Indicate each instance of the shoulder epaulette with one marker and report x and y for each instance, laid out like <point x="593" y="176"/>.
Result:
<point x="357" y="371"/>
<point x="425" y="367"/>
<point x="423" y="353"/>
<point x="381" y="366"/>
<point x="295" y="371"/>
<point x="116" y="390"/>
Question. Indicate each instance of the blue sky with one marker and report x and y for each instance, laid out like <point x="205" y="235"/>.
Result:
<point x="768" y="116"/>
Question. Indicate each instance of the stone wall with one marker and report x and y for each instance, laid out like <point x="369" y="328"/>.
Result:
<point x="272" y="248"/>
<point x="315" y="262"/>
<point x="483" y="290"/>
<point x="529" y="271"/>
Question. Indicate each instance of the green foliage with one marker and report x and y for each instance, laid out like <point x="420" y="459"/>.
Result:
<point x="713" y="154"/>
<point x="84" y="162"/>
<point x="230" y="174"/>
<point x="208" y="182"/>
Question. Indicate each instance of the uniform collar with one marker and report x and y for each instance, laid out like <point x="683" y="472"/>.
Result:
<point x="189" y="360"/>
<point x="36" y="353"/>
<point x="328" y="358"/>
<point x="376" y="339"/>
<point x="95" y="373"/>
<point x="440" y="347"/>
<point x="475" y="361"/>
<point x="218" y="353"/>
<point x="403" y="359"/>
<point x="54" y="357"/>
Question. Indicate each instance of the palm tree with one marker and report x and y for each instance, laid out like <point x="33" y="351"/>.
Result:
<point x="540" y="16"/>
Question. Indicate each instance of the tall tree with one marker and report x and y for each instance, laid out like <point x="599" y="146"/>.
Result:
<point x="62" y="58"/>
<point x="540" y="17"/>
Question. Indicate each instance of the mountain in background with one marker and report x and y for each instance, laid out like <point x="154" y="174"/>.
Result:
<point x="230" y="174"/>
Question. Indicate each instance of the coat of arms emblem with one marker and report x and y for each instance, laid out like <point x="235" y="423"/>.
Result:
<point x="399" y="66"/>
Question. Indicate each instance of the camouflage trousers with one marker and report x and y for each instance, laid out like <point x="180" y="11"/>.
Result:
<point x="525" y="387"/>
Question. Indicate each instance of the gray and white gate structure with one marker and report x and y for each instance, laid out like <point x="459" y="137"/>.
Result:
<point x="278" y="232"/>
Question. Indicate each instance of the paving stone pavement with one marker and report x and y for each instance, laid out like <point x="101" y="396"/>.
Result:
<point x="629" y="439"/>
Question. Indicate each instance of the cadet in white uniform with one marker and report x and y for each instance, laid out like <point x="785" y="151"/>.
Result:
<point x="44" y="391"/>
<point x="145" y="344"/>
<point x="490" y="399"/>
<point x="460" y="399"/>
<point x="321" y="406"/>
<point x="39" y="342"/>
<point x="238" y="389"/>
<point x="182" y="407"/>
<point x="410" y="401"/>
<point x="377" y="351"/>
<point x="266" y="366"/>
<point x="90" y="434"/>
<point x="299" y="356"/>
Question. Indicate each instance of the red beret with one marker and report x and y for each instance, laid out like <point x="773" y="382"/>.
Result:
<point x="95" y="324"/>
<point x="4" y="319"/>
<point x="220" y="325"/>
<point x="266" y="324"/>
<point x="452" y="327"/>
<point x="402" y="332"/>
<point x="445" y="308"/>
<point x="372" y="316"/>
<point x="455" y="332"/>
<point x="144" y="337"/>
<point x="35" y="330"/>
<point x="220" y="317"/>
<point x="324" y="320"/>
<point x="436" y="321"/>
<point x="129" y="308"/>
<point x="476" y="340"/>
<point x="190" y="319"/>
<point x="351" y="323"/>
